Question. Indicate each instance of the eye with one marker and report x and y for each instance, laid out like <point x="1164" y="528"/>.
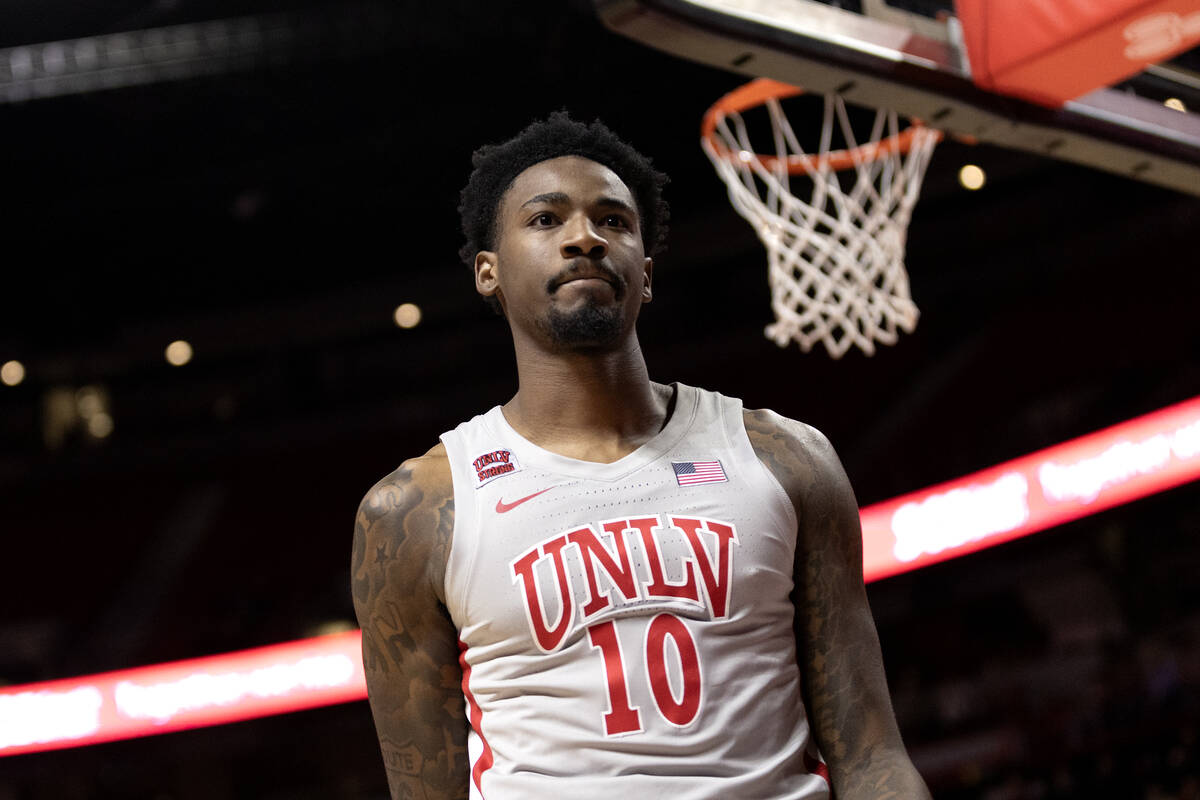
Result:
<point x="614" y="221"/>
<point x="542" y="220"/>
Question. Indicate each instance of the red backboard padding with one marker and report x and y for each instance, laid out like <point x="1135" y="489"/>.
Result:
<point x="1051" y="51"/>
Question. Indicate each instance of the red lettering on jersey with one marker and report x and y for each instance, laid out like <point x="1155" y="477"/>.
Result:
<point x="592" y="550"/>
<point x="658" y="584"/>
<point x="548" y="639"/>
<point x="492" y="472"/>
<point x="717" y="582"/>
<point x="709" y="551"/>
<point x="501" y="456"/>
<point x="621" y="717"/>
<point x="683" y="711"/>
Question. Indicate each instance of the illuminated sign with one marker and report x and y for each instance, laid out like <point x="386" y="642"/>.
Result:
<point x="183" y="694"/>
<point x="1133" y="459"/>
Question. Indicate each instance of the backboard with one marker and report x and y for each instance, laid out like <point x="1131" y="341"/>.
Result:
<point x="912" y="60"/>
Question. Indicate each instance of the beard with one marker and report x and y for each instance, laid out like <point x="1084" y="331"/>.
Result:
<point x="588" y="326"/>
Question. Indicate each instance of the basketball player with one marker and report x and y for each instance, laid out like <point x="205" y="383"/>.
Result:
<point x="609" y="586"/>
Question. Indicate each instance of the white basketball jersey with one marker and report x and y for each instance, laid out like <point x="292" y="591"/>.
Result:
<point x="627" y="627"/>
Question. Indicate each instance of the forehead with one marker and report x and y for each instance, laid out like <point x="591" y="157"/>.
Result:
<point x="581" y="179"/>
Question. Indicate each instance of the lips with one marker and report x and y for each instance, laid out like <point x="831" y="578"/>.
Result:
<point x="585" y="274"/>
<point x="577" y="278"/>
<point x="585" y="269"/>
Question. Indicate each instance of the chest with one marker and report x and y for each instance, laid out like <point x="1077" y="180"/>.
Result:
<point x="548" y="557"/>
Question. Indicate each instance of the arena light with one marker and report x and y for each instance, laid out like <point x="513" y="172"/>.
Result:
<point x="12" y="373"/>
<point x="181" y="695"/>
<point x="407" y="315"/>
<point x="178" y="352"/>
<point x="100" y="425"/>
<point x="972" y="177"/>
<point x="1134" y="459"/>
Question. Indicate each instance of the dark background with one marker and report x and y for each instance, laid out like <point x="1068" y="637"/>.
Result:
<point x="274" y="216"/>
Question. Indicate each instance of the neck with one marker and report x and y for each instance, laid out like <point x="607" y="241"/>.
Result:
<point x="595" y="406"/>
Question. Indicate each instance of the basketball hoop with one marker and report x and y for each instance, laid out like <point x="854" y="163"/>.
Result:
<point x="836" y="262"/>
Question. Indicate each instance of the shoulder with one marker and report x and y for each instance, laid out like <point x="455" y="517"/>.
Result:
<point x="408" y="516"/>
<point x="415" y="479"/>
<point x="799" y="455"/>
<point x="806" y="465"/>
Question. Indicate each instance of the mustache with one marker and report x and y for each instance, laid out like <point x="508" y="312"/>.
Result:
<point x="586" y="266"/>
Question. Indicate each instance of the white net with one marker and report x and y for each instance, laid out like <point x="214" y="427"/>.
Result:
<point x="836" y="260"/>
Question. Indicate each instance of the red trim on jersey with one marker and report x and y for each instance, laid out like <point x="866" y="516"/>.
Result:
<point x="816" y="766"/>
<point x="485" y="758"/>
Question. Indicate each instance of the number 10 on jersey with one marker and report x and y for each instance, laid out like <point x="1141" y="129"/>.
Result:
<point x="664" y="630"/>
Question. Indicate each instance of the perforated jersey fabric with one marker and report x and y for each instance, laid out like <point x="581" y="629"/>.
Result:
<point x="627" y="627"/>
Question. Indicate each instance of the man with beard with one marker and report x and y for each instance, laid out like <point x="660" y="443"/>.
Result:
<point x="610" y="585"/>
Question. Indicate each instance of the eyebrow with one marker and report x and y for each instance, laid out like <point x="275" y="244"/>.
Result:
<point x="612" y="202"/>
<point x="547" y="197"/>
<point x="561" y="197"/>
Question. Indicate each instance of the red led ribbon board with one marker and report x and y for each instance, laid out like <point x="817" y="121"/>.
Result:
<point x="1134" y="459"/>
<point x="183" y="694"/>
<point x="1052" y="51"/>
<point x="1072" y="480"/>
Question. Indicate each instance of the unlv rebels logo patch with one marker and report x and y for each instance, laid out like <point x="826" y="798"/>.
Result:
<point x="492" y="465"/>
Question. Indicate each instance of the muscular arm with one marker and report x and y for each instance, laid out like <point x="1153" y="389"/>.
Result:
<point x="410" y="653"/>
<point x="845" y="688"/>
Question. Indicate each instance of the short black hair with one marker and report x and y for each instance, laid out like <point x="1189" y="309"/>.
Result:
<point x="498" y="165"/>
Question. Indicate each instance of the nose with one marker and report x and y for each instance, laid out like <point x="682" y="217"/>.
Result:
<point x="580" y="238"/>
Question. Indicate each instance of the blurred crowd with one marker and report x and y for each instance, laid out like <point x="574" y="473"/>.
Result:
<point x="1084" y="683"/>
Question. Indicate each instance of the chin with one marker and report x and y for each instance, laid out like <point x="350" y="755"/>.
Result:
<point x="586" y="326"/>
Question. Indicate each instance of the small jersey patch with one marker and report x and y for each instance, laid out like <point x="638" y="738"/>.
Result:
<point x="494" y="464"/>
<point x="689" y="473"/>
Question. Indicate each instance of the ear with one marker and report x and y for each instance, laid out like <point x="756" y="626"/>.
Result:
<point x="648" y="271"/>
<point x="486" y="281"/>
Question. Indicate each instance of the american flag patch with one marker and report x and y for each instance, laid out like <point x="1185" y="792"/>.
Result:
<point x="689" y="473"/>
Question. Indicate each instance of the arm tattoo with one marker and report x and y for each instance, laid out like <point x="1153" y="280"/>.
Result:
<point x="401" y="539"/>
<point x="845" y="690"/>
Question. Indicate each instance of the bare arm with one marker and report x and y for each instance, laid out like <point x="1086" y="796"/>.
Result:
<point x="845" y="688"/>
<point x="410" y="653"/>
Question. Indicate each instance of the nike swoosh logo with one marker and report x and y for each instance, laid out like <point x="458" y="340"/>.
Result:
<point x="502" y="506"/>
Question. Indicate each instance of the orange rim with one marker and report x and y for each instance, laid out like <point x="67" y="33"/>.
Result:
<point x="761" y="90"/>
